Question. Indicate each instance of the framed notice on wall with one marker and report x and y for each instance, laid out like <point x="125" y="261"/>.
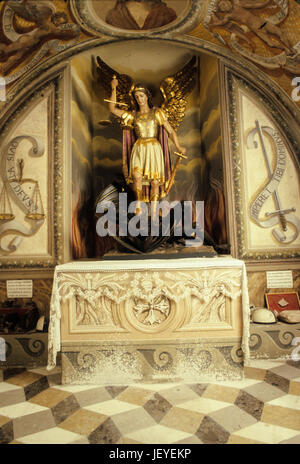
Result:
<point x="19" y="288"/>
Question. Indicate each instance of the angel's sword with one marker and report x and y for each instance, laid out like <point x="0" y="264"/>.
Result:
<point x="172" y="178"/>
<point x="116" y="103"/>
<point x="279" y="210"/>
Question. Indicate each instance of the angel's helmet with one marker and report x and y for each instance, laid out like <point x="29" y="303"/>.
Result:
<point x="142" y="88"/>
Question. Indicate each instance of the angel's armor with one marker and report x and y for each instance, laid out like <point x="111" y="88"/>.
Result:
<point x="147" y="156"/>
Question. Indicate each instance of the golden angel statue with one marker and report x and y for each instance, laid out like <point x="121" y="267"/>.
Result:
<point x="146" y="161"/>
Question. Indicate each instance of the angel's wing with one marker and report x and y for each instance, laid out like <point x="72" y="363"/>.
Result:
<point x="175" y="89"/>
<point x="105" y="75"/>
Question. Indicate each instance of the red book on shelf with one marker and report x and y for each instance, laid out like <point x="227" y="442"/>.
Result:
<point x="283" y="301"/>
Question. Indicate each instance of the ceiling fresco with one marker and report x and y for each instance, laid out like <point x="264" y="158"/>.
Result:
<point x="264" y="32"/>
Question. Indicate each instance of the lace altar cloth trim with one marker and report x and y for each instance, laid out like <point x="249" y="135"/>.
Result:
<point x="54" y="341"/>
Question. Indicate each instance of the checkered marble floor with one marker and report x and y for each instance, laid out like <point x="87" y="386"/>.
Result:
<point x="262" y="408"/>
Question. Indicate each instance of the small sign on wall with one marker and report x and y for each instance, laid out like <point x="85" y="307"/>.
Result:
<point x="279" y="279"/>
<point x="19" y="288"/>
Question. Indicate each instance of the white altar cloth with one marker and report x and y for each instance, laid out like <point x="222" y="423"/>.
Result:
<point x="54" y="337"/>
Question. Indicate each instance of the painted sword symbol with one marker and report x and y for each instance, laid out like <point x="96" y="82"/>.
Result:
<point x="279" y="210"/>
<point x="283" y="216"/>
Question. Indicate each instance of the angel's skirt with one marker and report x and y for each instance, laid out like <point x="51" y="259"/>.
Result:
<point x="147" y="158"/>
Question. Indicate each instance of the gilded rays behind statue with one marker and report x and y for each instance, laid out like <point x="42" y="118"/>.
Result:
<point x="147" y="168"/>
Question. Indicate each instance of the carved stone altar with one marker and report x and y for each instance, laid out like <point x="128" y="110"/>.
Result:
<point x="152" y="320"/>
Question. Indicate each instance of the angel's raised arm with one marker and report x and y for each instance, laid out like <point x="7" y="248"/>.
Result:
<point x="116" y="86"/>
<point x="113" y="99"/>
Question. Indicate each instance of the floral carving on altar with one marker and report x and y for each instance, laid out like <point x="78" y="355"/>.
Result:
<point x="210" y="290"/>
<point x="93" y="295"/>
<point x="148" y="301"/>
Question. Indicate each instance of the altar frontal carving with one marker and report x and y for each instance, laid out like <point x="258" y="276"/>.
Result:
<point x="161" y="320"/>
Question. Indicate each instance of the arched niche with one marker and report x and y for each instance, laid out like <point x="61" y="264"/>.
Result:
<point x="97" y="137"/>
<point x="277" y="106"/>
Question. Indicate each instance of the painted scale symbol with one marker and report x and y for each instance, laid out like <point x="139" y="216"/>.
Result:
<point x="25" y="193"/>
<point x="280" y="216"/>
<point x="36" y="210"/>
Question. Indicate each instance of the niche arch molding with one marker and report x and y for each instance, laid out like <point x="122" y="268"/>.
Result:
<point x="57" y="68"/>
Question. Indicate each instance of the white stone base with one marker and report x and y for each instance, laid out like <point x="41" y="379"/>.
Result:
<point x="125" y="364"/>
